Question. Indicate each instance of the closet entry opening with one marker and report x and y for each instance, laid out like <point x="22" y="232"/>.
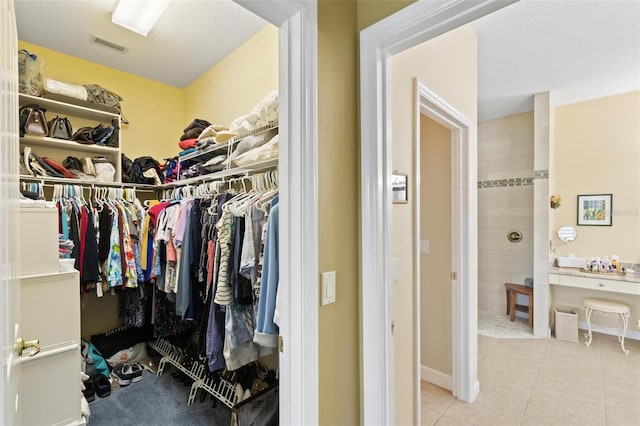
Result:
<point x="178" y="301"/>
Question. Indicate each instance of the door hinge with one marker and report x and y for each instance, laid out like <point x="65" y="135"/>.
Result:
<point x="393" y="327"/>
<point x="280" y="344"/>
<point x="454" y="276"/>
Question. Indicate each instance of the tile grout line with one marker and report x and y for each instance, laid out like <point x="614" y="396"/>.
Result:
<point x="604" y="387"/>
<point x="524" y="411"/>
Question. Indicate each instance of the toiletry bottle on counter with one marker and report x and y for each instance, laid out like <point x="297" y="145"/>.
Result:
<point x="615" y="262"/>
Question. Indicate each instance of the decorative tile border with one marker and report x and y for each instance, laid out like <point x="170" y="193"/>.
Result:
<point x="500" y="183"/>
<point x="541" y="174"/>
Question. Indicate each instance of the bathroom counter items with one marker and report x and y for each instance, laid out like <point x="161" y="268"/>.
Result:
<point x="603" y="282"/>
<point x="634" y="278"/>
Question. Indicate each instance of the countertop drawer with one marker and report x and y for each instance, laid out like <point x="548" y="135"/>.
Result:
<point x="595" y="283"/>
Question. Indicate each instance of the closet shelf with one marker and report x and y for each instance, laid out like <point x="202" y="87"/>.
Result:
<point x="80" y="115"/>
<point x="236" y="171"/>
<point x="69" y="108"/>
<point x="47" y="142"/>
<point x="210" y="152"/>
<point x="88" y="183"/>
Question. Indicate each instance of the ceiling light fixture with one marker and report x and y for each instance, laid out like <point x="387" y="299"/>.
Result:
<point x="139" y="16"/>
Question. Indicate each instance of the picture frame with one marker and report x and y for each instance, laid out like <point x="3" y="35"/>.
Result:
<point x="400" y="188"/>
<point x="595" y="210"/>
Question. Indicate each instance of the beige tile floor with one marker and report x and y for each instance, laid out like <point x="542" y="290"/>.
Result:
<point x="545" y="382"/>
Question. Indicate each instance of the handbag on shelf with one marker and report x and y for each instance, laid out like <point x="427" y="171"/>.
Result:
<point x="39" y="164"/>
<point x="72" y="163"/>
<point x="58" y="167"/>
<point x="87" y="166"/>
<point x="60" y="128"/>
<point x="102" y="135"/>
<point x="33" y="120"/>
<point x="114" y="139"/>
<point x="84" y="135"/>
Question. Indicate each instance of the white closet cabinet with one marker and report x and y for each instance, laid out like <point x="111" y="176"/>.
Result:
<point x="49" y="312"/>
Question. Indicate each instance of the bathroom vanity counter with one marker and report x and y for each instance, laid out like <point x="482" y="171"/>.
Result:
<point x="572" y="277"/>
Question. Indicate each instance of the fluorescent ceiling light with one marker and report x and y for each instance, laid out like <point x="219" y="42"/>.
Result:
<point x="139" y="16"/>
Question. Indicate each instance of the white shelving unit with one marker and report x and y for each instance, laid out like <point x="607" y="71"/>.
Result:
<point x="217" y="149"/>
<point x="79" y="116"/>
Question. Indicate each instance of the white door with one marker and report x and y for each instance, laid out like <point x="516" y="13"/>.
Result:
<point x="9" y="151"/>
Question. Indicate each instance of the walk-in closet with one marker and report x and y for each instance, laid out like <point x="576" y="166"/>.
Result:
<point x="149" y="216"/>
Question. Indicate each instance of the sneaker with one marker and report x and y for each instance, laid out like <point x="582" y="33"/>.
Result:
<point x="136" y="372"/>
<point x="122" y="373"/>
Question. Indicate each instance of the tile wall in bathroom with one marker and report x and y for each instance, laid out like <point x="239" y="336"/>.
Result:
<point x="505" y="203"/>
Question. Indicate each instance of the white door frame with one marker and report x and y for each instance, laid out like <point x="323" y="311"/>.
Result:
<point x="9" y="240"/>
<point x="297" y="81"/>
<point x="463" y="243"/>
<point x="409" y="27"/>
<point x="297" y="22"/>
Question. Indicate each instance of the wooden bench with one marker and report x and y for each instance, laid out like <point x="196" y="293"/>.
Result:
<point x="512" y="291"/>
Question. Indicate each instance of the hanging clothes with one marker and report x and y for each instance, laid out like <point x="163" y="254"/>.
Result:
<point x="104" y="234"/>
<point x="207" y="252"/>
<point x="266" y="333"/>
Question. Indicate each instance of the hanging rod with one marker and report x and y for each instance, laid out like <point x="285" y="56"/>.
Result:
<point x="235" y="173"/>
<point x="49" y="181"/>
<point x="239" y="172"/>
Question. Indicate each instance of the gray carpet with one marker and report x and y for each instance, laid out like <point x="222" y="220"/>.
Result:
<point x="156" y="401"/>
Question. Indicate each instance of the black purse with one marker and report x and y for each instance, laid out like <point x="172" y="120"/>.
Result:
<point x="106" y="136"/>
<point x="84" y="135"/>
<point x="60" y="128"/>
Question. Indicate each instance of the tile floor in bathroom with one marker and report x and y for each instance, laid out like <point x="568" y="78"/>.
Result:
<point x="545" y="382"/>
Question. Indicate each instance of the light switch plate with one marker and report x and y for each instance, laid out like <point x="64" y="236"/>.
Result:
<point x="425" y="246"/>
<point x="396" y="269"/>
<point x="328" y="288"/>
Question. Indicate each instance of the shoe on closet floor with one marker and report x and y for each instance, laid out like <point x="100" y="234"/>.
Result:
<point x="123" y="374"/>
<point x="101" y="385"/>
<point x="89" y="391"/>
<point x="136" y="372"/>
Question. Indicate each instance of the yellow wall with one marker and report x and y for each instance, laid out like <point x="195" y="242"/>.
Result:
<point x="597" y="151"/>
<point x="338" y="215"/>
<point x="435" y="226"/>
<point x="237" y="83"/>
<point x="372" y="11"/>
<point x="145" y="101"/>
<point x="447" y="65"/>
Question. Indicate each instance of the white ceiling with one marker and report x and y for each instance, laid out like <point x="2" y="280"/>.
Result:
<point x="189" y="38"/>
<point x="577" y="49"/>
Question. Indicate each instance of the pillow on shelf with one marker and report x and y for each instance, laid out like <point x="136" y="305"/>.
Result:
<point x="265" y="152"/>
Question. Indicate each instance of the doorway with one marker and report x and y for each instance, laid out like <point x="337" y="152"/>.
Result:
<point x="435" y="252"/>
<point x="298" y="167"/>
<point x="443" y="279"/>
<point x="417" y="23"/>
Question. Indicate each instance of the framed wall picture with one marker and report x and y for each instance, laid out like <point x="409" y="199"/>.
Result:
<point x="595" y="210"/>
<point x="399" y="186"/>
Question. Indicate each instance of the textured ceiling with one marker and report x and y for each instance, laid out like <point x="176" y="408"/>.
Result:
<point x="189" y="38"/>
<point x="577" y="49"/>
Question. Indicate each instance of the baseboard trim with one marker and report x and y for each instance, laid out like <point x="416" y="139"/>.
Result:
<point x="630" y="334"/>
<point x="436" y="377"/>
